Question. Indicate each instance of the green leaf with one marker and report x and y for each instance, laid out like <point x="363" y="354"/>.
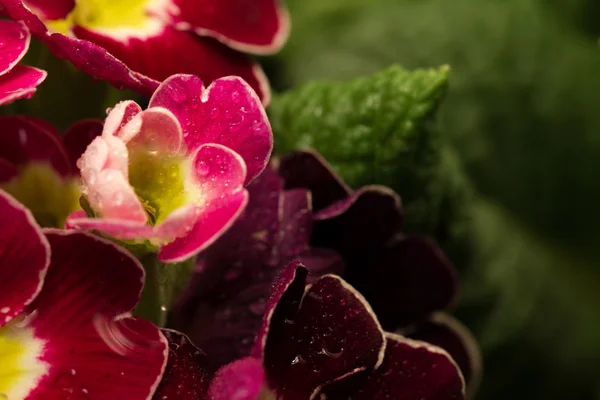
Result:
<point x="374" y="129"/>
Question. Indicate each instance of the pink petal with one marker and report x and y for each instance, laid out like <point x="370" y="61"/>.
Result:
<point x="79" y="136"/>
<point x="159" y="130"/>
<point x="165" y="51"/>
<point x="52" y="9"/>
<point x="241" y="380"/>
<point x="24" y="258"/>
<point x="227" y="113"/>
<point x="111" y="196"/>
<point x="120" y="116"/>
<point x="214" y="219"/>
<point x="23" y="140"/>
<point x="94" y="349"/>
<point x="20" y="83"/>
<point x="258" y="26"/>
<point x="14" y="42"/>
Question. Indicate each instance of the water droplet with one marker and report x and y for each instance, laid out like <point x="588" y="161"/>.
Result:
<point x="119" y="197"/>
<point x="214" y="113"/>
<point x="5" y="310"/>
<point x="73" y="372"/>
<point x="289" y="321"/>
<point x="163" y="308"/>
<point x="298" y="360"/>
<point x="22" y="137"/>
<point x="332" y="354"/>
<point x="2" y="43"/>
<point x="235" y="96"/>
<point x="202" y="168"/>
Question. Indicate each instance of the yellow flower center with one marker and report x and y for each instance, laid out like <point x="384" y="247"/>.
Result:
<point x="19" y="358"/>
<point x="49" y="196"/>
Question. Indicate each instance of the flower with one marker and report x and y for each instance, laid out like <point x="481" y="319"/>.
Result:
<point x="138" y="44"/>
<point x="322" y="340"/>
<point x="38" y="167"/>
<point x="16" y="81"/>
<point x="173" y="176"/>
<point x="66" y="329"/>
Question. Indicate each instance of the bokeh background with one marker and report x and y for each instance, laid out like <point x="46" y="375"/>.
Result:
<point x="520" y="131"/>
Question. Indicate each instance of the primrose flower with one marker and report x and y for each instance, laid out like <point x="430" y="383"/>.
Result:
<point x="173" y="176"/>
<point x="137" y="44"/>
<point x="66" y="331"/>
<point x="16" y="81"/>
<point x="37" y="166"/>
<point x="326" y="334"/>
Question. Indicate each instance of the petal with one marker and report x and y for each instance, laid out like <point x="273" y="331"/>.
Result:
<point x="120" y="116"/>
<point x="321" y="262"/>
<point x="213" y="220"/>
<point x="93" y="348"/>
<point x="14" y="42"/>
<point x="241" y="380"/>
<point x="24" y="140"/>
<point x="411" y="370"/>
<point x="187" y="375"/>
<point x="79" y="136"/>
<point x="24" y="258"/>
<point x="448" y="333"/>
<point x="296" y="217"/>
<point x="159" y="131"/>
<point x="117" y="228"/>
<point x="20" y="83"/>
<point x="259" y="26"/>
<point x="309" y="170"/>
<point x="112" y="197"/>
<point x="164" y="51"/>
<point x="227" y="112"/>
<point x="52" y="9"/>
<point x="8" y="171"/>
<point x="328" y="332"/>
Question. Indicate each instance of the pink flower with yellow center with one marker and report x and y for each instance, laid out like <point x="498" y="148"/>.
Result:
<point x="173" y="176"/>
<point x="66" y="330"/>
<point x="138" y="43"/>
<point x="16" y="81"/>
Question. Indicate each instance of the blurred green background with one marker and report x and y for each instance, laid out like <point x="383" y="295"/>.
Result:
<point x="519" y="143"/>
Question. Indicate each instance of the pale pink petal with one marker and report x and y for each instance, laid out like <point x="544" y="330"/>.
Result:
<point x="20" y="83"/>
<point x="24" y="258"/>
<point x="228" y="112"/>
<point x="14" y="42"/>
<point x="215" y="218"/>
<point x="159" y="131"/>
<point x="111" y="196"/>
<point x="119" y="116"/>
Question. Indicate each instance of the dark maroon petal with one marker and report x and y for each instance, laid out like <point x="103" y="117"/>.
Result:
<point x="52" y="9"/>
<point x="308" y="169"/>
<point x="7" y="170"/>
<point x="257" y="26"/>
<point x="411" y="370"/>
<point x="296" y="223"/>
<point x="24" y="140"/>
<point x="321" y="262"/>
<point x="311" y="340"/>
<point x="172" y="52"/>
<point x="79" y="136"/>
<point x="448" y="333"/>
<point x="187" y="376"/>
<point x="241" y="380"/>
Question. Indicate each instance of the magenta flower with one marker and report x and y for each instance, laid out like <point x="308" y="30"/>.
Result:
<point x="37" y="166"/>
<point x="66" y="329"/>
<point x="322" y="340"/>
<point x="16" y="81"/>
<point x="139" y="44"/>
<point x="173" y="176"/>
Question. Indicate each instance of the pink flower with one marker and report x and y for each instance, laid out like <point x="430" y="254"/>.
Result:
<point x="66" y="330"/>
<point x="16" y="81"/>
<point x="173" y="176"/>
<point x="137" y="44"/>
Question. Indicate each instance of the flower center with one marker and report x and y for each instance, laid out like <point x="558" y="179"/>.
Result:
<point x="158" y="181"/>
<point x="103" y="14"/>
<point x="19" y="358"/>
<point x="50" y="197"/>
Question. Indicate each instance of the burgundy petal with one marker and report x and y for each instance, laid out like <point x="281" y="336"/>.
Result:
<point x="187" y="376"/>
<point x="52" y="9"/>
<point x="308" y="169"/>
<point x="258" y="26"/>
<point x="14" y="42"/>
<point x="23" y="140"/>
<point x="295" y="229"/>
<point x="7" y="170"/>
<point x="24" y="258"/>
<point x="170" y="51"/>
<point x="326" y="333"/>
<point x="20" y="83"/>
<point x="411" y="370"/>
<point x="448" y="333"/>
<point x="241" y="380"/>
<point x="78" y="137"/>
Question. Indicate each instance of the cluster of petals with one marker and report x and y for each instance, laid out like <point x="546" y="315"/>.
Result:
<point x="173" y="176"/>
<point x="138" y="44"/>
<point x="66" y="330"/>
<point x="16" y="81"/>
<point x="305" y="212"/>
<point x="38" y="166"/>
